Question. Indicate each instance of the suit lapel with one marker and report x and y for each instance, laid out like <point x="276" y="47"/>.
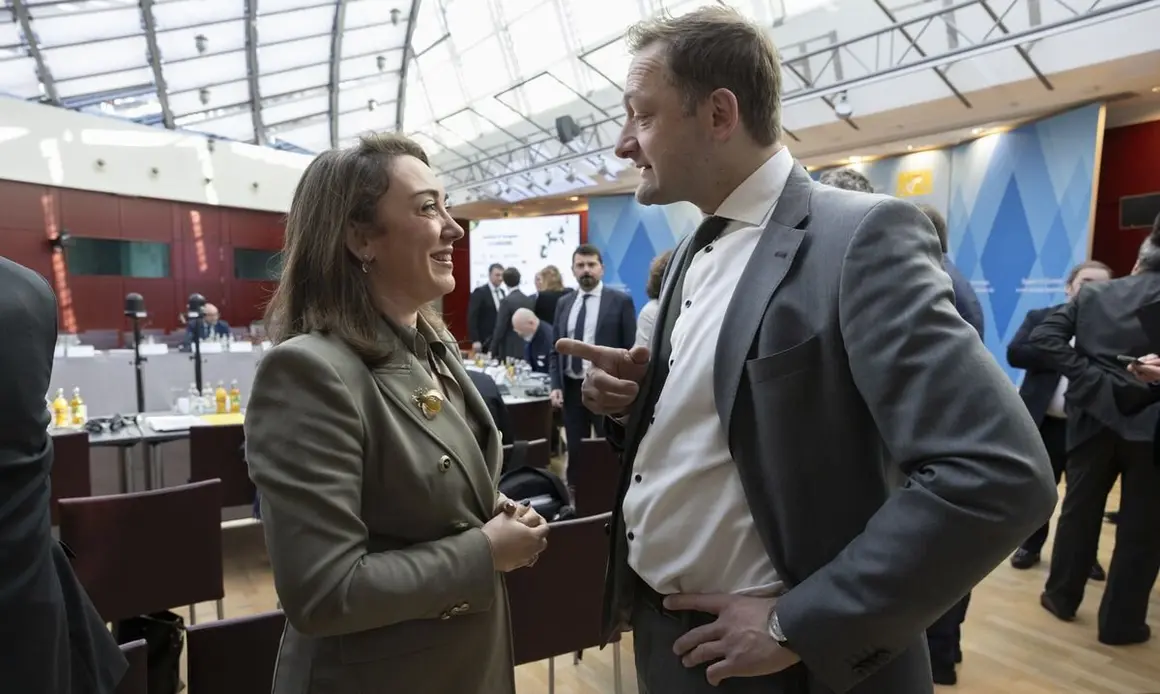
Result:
<point x="400" y="377"/>
<point x="763" y="275"/>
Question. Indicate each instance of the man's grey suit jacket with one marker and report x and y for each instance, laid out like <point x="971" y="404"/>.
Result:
<point x="842" y="367"/>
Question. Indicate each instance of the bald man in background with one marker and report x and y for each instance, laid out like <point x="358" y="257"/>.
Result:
<point x="52" y="641"/>
<point x="211" y="325"/>
<point x="538" y="338"/>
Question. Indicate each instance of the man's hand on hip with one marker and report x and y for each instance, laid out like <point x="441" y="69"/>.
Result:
<point x="613" y="378"/>
<point x="738" y="643"/>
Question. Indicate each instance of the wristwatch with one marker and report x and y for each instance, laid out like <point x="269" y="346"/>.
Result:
<point x="775" y="631"/>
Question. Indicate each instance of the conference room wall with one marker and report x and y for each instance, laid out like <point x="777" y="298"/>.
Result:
<point x="202" y="240"/>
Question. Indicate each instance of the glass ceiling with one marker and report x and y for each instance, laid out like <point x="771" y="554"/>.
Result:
<point x="480" y="83"/>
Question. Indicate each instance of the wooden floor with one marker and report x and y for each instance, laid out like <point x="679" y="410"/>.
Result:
<point x="1010" y="644"/>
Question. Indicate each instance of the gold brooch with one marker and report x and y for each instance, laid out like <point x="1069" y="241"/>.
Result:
<point x="430" y="402"/>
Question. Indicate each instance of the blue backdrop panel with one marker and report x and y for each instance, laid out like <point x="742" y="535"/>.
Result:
<point x="630" y="235"/>
<point x="1020" y="210"/>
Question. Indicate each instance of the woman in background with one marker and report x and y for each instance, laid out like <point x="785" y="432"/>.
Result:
<point x="550" y="288"/>
<point x="375" y="457"/>
<point x="652" y="289"/>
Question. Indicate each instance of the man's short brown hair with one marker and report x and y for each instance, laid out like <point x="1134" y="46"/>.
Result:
<point x="717" y="48"/>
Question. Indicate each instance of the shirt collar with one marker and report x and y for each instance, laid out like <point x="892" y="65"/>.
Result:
<point x="753" y="201"/>
<point x="595" y="290"/>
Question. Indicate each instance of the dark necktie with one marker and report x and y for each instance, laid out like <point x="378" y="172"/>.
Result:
<point x="574" y="362"/>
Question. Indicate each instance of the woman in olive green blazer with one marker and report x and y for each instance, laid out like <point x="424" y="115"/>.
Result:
<point x="375" y="458"/>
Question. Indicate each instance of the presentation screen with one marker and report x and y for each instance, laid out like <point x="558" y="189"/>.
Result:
<point x="526" y="243"/>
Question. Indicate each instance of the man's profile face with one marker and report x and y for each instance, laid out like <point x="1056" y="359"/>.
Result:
<point x="658" y="136"/>
<point x="1088" y="274"/>
<point x="495" y="276"/>
<point x="588" y="271"/>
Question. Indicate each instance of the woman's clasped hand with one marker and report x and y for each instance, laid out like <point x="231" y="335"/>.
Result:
<point x="517" y="535"/>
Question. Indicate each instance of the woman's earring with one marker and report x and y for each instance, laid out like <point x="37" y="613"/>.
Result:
<point x="366" y="267"/>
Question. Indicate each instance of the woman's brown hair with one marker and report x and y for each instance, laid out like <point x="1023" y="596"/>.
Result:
<point x="552" y="279"/>
<point x="656" y="275"/>
<point x="322" y="287"/>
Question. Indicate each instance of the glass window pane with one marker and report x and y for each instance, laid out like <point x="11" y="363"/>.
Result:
<point x="382" y="40"/>
<point x="361" y="14"/>
<point x="292" y="25"/>
<point x="314" y="137"/>
<point x="221" y="37"/>
<point x="380" y="121"/>
<point x="87" y="27"/>
<point x="181" y="13"/>
<point x="290" y="110"/>
<point x="139" y="81"/>
<point x="220" y="95"/>
<point x="469" y="22"/>
<point x="591" y="19"/>
<point x="268" y="6"/>
<point x="428" y="26"/>
<point x="294" y="80"/>
<point x="253" y="264"/>
<point x="18" y="78"/>
<point x="366" y="65"/>
<point x="611" y="62"/>
<point x="515" y="9"/>
<point x="416" y="113"/>
<point x="485" y="73"/>
<point x="537" y="40"/>
<point x="94" y="58"/>
<point x="440" y="81"/>
<point x="295" y="54"/>
<point x="111" y="257"/>
<point x="541" y="94"/>
<point x="238" y="126"/>
<point x="384" y="92"/>
<point x="493" y="110"/>
<point x="210" y="70"/>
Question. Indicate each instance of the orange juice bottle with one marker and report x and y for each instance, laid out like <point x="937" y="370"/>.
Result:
<point x="222" y="398"/>
<point x="235" y="397"/>
<point x="60" y="413"/>
<point x="77" y="409"/>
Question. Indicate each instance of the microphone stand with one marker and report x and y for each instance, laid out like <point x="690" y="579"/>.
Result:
<point x="196" y="317"/>
<point x="138" y="360"/>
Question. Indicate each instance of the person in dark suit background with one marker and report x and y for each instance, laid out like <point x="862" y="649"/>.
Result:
<point x="52" y="641"/>
<point x="505" y="344"/>
<point x="495" y="404"/>
<point x="1043" y="390"/>
<point x="482" y="308"/>
<point x="966" y="300"/>
<point x="1083" y="341"/>
<point x="538" y="337"/>
<point x="211" y="326"/>
<point x="597" y="315"/>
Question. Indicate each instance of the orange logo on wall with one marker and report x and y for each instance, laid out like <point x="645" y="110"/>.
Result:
<point x="914" y="183"/>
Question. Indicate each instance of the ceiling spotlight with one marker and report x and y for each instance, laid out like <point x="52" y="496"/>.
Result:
<point x="842" y="107"/>
<point x="372" y="104"/>
<point x="910" y="148"/>
<point x="203" y="95"/>
<point x="976" y="131"/>
<point x="381" y="61"/>
<point x="574" y="198"/>
<point x="395" y="16"/>
<point x="1156" y="90"/>
<point x="201" y="41"/>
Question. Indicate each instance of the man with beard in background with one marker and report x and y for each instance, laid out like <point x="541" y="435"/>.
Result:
<point x="595" y="314"/>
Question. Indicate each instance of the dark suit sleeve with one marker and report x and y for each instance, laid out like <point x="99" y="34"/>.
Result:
<point x="627" y="322"/>
<point x="475" y="318"/>
<point x="1020" y="354"/>
<point x="1051" y="341"/>
<point x="977" y="477"/>
<point x="503" y="324"/>
<point x="560" y="329"/>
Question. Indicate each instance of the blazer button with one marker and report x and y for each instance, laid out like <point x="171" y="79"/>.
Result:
<point x="445" y="616"/>
<point x="444" y="464"/>
<point x="461" y="525"/>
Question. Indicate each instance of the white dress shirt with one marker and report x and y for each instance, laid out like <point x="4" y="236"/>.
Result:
<point x="497" y="294"/>
<point x="592" y="313"/>
<point x="645" y="323"/>
<point x="688" y="523"/>
<point x="1056" y="408"/>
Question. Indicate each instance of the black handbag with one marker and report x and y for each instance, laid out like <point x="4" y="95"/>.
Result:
<point x="544" y="490"/>
<point x="164" y="634"/>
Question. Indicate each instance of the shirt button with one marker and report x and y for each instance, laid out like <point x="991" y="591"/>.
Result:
<point x="672" y="361"/>
<point x="639" y="478"/>
<point x="688" y="303"/>
<point x="631" y="535"/>
<point x="709" y="249"/>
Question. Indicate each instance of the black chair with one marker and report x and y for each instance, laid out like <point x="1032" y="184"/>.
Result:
<point x="595" y="478"/>
<point x="215" y="452"/>
<point x="556" y="604"/>
<point x="530" y="453"/>
<point x="234" y="656"/>
<point x="71" y="475"/>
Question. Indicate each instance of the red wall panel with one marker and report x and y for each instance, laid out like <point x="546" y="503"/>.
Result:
<point x="202" y="242"/>
<point x="1128" y="167"/>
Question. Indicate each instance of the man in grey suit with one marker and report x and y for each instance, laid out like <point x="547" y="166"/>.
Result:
<point x="52" y="641"/>
<point x="807" y="355"/>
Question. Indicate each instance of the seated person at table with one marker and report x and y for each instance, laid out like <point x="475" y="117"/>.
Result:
<point x="538" y="338"/>
<point x="211" y="326"/>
